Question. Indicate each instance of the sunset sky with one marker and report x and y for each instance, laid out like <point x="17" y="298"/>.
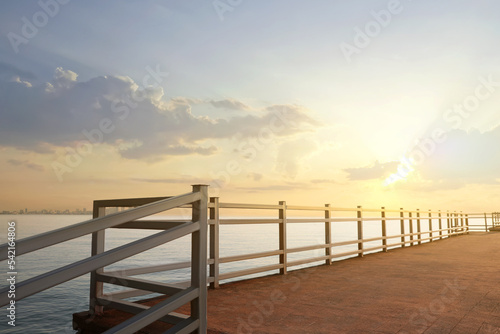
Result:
<point x="373" y="103"/>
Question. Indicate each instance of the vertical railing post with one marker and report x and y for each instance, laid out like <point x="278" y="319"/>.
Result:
<point x="97" y="247"/>
<point x="328" y="235"/>
<point x="199" y="258"/>
<point x="462" y="222"/>
<point x="384" y="230"/>
<point x="282" y="236"/>
<point x="430" y="225"/>
<point x="418" y="227"/>
<point x="440" y="226"/>
<point x="360" y="231"/>
<point x="455" y="222"/>
<point x="214" y="242"/>
<point x="467" y="222"/>
<point x="410" y="222"/>
<point x="402" y="222"/>
<point x="448" y="222"/>
<point x="485" y="222"/>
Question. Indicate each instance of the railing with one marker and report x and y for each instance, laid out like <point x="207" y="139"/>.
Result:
<point x="414" y="228"/>
<point x="440" y="225"/>
<point x="195" y="293"/>
<point x="485" y="221"/>
<point x="496" y="218"/>
<point x="397" y="228"/>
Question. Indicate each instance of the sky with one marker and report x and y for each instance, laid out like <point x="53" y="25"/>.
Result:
<point x="373" y="103"/>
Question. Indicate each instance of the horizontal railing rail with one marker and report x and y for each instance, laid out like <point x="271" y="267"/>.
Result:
<point x="396" y="228"/>
<point x="443" y="224"/>
<point x="50" y="238"/>
<point x="416" y="227"/>
<point x="55" y="277"/>
<point x="193" y="292"/>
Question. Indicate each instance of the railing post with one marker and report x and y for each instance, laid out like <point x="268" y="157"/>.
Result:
<point x="402" y="215"/>
<point x="214" y="242"/>
<point x="410" y="222"/>
<point x="440" y="226"/>
<point x="462" y="223"/>
<point x="430" y="225"/>
<point x="282" y="236"/>
<point x="97" y="247"/>
<point x="199" y="258"/>
<point x="384" y="231"/>
<point x="467" y="222"/>
<point x="448" y="222"/>
<point x="418" y="227"/>
<point x="455" y="222"/>
<point x="485" y="222"/>
<point x="328" y="235"/>
<point x="360" y="231"/>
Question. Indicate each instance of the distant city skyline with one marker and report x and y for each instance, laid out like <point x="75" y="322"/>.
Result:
<point x="83" y="211"/>
<point x="77" y="211"/>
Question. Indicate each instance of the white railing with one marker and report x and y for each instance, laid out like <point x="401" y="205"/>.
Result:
<point x="440" y="225"/>
<point x="195" y="294"/>
<point x="410" y="224"/>
<point x="485" y="221"/>
<point x="496" y="218"/>
<point x="413" y="227"/>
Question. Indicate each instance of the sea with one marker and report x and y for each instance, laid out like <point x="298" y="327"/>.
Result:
<point x="51" y="311"/>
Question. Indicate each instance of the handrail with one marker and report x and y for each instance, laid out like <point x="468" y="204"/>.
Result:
<point x="441" y="224"/>
<point x="55" y="277"/>
<point x="195" y="293"/>
<point x="50" y="238"/>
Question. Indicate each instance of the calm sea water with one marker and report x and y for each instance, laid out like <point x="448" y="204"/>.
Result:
<point x="51" y="311"/>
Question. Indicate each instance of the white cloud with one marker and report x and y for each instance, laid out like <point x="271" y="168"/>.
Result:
<point x="375" y="171"/>
<point x="230" y="104"/>
<point x="27" y="164"/>
<point x="66" y="111"/>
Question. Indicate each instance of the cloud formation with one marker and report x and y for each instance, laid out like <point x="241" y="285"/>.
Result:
<point x="230" y="104"/>
<point x="375" y="171"/>
<point x="116" y="111"/>
<point x="464" y="157"/>
<point x="26" y="164"/>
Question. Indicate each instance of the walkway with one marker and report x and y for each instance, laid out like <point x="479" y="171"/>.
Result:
<point x="448" y="286"/>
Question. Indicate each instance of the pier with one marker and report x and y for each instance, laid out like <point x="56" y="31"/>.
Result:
<point x="422" y="271"/>
<point x="442" y="287"/>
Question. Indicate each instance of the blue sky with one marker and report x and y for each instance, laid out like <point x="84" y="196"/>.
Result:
<point x="257" y="98"/>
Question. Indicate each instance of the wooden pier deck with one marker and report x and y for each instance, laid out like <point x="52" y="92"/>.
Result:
<point x="450" y="286"/>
